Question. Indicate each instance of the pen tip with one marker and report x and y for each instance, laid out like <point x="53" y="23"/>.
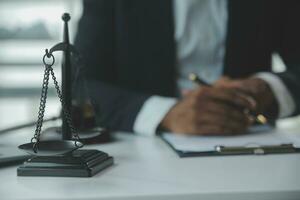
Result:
<point x="192" y="76"/>
<point x="262" y="119"/>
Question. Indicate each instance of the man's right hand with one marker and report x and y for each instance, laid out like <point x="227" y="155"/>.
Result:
<point x="209" y="111"/>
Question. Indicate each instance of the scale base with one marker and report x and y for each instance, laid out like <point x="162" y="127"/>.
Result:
<point x="81" y="163"/>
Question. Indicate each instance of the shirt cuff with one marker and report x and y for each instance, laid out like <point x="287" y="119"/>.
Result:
<point x="152" y="113"/>
<point x="283" y="96"/>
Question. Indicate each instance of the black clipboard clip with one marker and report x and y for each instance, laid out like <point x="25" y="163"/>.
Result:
<point x="256" y="150"/>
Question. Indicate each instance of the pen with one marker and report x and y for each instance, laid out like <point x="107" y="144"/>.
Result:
<point x="260" y="118"/>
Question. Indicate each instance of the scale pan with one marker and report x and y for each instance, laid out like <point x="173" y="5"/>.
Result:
<point x="51" y="148"/>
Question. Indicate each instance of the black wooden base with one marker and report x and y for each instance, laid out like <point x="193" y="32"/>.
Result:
<point x="81" y="163"/>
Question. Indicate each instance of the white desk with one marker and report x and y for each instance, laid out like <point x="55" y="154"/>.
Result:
<point x="146" y="168"/>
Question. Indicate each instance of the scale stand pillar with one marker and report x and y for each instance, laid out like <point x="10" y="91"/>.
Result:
<point x="61" y="157"/>
<point x="66" y="77"/>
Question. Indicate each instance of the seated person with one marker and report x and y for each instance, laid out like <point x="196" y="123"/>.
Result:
<point x="138" y="55"/>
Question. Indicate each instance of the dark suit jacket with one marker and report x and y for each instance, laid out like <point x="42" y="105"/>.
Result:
<point x="129" y="50"/>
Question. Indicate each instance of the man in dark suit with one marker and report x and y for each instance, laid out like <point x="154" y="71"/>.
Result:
<point x="137" y="55"/>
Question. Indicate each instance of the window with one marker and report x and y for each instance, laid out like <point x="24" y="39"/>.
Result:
<point x="27" y="28"/>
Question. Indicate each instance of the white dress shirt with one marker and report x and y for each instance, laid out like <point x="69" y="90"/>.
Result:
<point x="200" y="34"/>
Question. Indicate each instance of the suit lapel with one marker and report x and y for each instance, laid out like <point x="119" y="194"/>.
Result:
<point x="247" y="47"/>
<point x="145" y="33"/>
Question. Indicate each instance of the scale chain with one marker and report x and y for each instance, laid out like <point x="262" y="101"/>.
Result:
<point x="43" y="100"/>
<point x="64" y="107"/>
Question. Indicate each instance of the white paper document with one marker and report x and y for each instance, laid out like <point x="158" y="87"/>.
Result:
<point x="254" y="138"/>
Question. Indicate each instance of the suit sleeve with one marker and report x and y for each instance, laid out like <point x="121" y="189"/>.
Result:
<point x="116" y="107"/>
<point x="289" y="48"/>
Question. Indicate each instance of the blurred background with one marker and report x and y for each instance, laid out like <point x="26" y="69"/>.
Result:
<point x="27" y="28"/>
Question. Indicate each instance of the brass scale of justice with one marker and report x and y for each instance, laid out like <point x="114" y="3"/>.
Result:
<point x="61" y="157"/>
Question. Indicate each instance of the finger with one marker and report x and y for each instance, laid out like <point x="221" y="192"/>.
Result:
<point x="185" y="93"/>
<point x="211" y="130"/>
<point x="224" y="80"/>
<point x="241" y="86"/>
<point x="219" y="125"/>
<point x="227" y="123"/>
<point x="230" y="83"/>
<point x="232" y="97"/>
<point x="225" y="111"/>
<point x="215" y="130"/>
<point x="250" y="99"/>
<point x="206" y="129"/>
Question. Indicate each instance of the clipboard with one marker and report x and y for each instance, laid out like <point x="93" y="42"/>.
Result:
<point x="253" y="149"/>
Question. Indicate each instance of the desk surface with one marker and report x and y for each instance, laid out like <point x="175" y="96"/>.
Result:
<point x="146" y="168"/>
